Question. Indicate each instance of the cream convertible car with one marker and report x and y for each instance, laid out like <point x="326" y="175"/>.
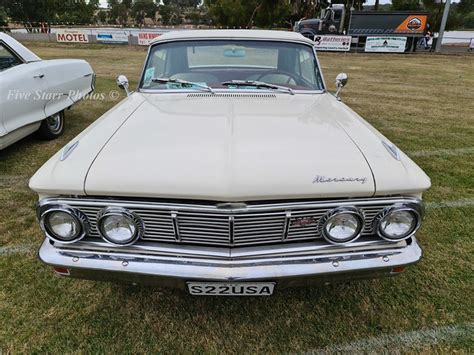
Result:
<point x="231" y="171"/>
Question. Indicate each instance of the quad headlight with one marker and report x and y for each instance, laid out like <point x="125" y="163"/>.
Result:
<point x="119" y="226"/>
<point x="398" y="222"/>
<point x="64" y="224"/>
<point x="342" y="225"/>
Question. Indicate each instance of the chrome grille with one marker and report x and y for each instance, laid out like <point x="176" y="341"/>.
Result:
<point x="207" y="224"/>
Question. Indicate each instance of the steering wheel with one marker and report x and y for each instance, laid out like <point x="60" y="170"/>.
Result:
<point x="290" y="76"/>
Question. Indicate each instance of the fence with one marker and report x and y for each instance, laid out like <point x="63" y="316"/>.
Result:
<point x="450" y="43"/>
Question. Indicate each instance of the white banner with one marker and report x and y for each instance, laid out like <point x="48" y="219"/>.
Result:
<point x="112" y="37"/>
<point x="386" y="44"/>
<point x="332" y="43"/>
<point x="71" y="36"/>
<point x="145" y="38"/>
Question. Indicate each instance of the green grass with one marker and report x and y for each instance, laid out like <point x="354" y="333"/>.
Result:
<point x="422" y="103"/>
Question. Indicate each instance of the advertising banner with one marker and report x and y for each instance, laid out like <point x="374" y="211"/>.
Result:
<point x="145" y="38"/>
<point x="387" y="23"/>
<point x="332" y="43"/>
<point x="386" y="44"/>
<point x="71" y="36"/>
<point x="112" y="37"/>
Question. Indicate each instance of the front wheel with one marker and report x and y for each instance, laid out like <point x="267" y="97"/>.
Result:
<point x="52" y="127"/>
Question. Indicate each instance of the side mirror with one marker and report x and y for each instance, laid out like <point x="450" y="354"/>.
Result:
<point x="122" y="83"/>
<point x="341" y="81"/>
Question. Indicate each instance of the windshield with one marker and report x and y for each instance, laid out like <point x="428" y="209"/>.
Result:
<point x="215" y="63"/>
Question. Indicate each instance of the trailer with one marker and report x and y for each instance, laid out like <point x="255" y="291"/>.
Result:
<point x="411" y="25"/>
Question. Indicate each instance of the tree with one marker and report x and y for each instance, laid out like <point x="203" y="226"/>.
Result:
<point x="405" y="5"/>
<point x="102" y="16"/>
<point x="182" y="3"/>
<point x="231" y="13"/>
<point x="77" y="12"/>
<point x="465" y="13"/>
<point x="119" y="10"/>
<point x="36" y="12"/>
<point x="170" y="15"/>
<point x="3" y="17"/>
<point x="142" y="9"/>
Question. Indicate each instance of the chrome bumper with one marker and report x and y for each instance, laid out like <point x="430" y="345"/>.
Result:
<point x="172" y="271"/>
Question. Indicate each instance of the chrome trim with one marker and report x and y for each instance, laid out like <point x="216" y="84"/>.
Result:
<point x="231" y="229"/>
<point x="120" y="211"/>
<point x="67" y="150"/>
<point x="415" y="209"/>
<point x="174" y="218"/>
<point x="318" y="247"/>
<point x="254" y="223"/>
<point x="80" y="217"/>
<point x="392" y="149"/>
<point x="250" y="207"/>
<point x="288" y="271"/>
<point x="286" y="228"/>
<point x="340" y="210"/>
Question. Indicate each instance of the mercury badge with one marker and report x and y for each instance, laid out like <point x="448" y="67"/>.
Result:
<point x="321" y="179"/>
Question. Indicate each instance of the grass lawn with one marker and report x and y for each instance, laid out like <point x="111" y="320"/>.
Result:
<point x="424" y="103"/>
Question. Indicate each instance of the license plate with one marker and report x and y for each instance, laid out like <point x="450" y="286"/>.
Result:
<point x="231" y="289"/>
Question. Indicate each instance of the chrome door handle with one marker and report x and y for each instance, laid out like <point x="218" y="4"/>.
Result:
<point x="39" y="76"/>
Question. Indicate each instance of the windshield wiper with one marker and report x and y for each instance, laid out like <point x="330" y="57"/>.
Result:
<point x="259" y="84"/>
<point x="184" y="82"/>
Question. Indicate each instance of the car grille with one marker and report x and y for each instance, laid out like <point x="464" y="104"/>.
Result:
<point x="253" y="225"/>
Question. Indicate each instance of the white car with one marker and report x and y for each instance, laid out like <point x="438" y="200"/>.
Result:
<point x="231" y="171"/>
<point x="34" y="93"/>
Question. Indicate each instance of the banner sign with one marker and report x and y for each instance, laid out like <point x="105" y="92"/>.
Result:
<point x="388" y="23"/>
<point x="145" y="38"/>
<point x="332" y="43"/>
<point x="112" y="37"/>
<point x="71" y="36"/>
<point x="386" y="44"/>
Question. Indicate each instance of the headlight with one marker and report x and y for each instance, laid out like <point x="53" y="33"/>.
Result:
<point x="119" y="226"/>
<point x="398" y="222"/>
<point x="342" y="225"/>
<point x="64" y="224"/>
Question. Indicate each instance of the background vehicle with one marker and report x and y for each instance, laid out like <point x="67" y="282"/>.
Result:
<point x="334" y="20"/>
<point x="34" y="93"/>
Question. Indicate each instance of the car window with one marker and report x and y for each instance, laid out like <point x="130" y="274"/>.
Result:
<point x="306" y="66"/>
<point x="215" y="62"/>
<point x="229" y="55"/>
<point x="7" y="58"/>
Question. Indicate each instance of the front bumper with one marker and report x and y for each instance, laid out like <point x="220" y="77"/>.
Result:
<point x="169" y="271"/>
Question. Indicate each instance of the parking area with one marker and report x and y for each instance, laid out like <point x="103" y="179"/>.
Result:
<point x="422" y="103"/>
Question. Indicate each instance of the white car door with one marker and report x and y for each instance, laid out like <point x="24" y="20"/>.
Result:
<point x="21" y="88"/>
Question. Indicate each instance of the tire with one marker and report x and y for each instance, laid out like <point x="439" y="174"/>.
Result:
<point x="52" y="127"/>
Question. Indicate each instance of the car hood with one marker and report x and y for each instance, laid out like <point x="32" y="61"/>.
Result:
<point x="230" y="148"/>
<point x="236" y="147"/>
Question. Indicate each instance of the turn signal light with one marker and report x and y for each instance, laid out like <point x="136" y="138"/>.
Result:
<point x="61" y="270"/>
<point x="397" y="270"/>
